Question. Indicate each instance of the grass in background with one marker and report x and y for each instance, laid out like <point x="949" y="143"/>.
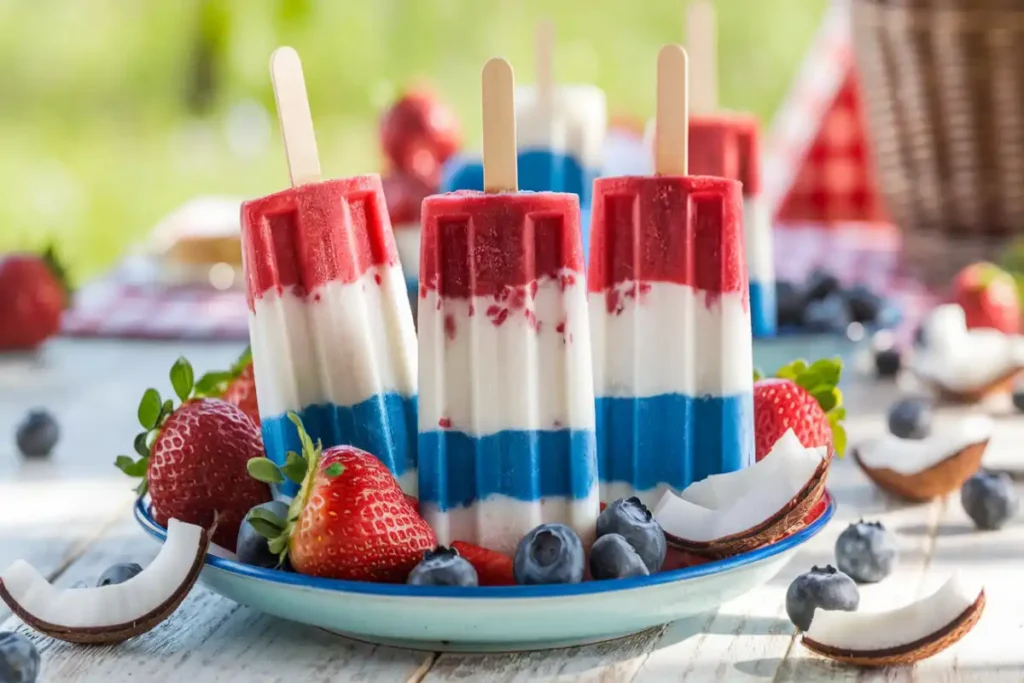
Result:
<point x="99" y="129"/>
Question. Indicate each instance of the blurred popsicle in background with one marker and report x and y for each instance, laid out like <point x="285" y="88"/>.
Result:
<point x="728" y="144"/>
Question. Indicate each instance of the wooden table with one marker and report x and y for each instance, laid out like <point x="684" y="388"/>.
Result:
<point x="69" y="516"/>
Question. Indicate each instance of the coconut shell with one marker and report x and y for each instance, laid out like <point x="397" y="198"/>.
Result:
<point x="1001" y="385"/>
<point x="778" y="526"/>
<point x="941" y="478"/>
<point x="105" y="635"/>
<point x="910" y="653"/>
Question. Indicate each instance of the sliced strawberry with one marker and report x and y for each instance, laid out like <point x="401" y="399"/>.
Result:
<point x="677" y="559"/>
<point x="492" y="568"/>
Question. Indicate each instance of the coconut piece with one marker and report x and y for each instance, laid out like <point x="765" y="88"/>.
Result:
<point x="110" y="614"/>
<point x="962" y="365"/>
<point x="901" y="636"/>
<point x="727" y="514"/>
<point x="922" y="469"/>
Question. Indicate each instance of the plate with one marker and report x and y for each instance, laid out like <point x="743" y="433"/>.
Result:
<point x="495" y="619"/>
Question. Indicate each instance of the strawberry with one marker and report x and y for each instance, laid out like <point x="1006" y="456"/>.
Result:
<point x="235" y="385"/>
<point x="193" y="458"/>
<point x="33" y="296"/>
<point x="350" y="519"/>
<point x="492" y="568"/>
<point x="989" y="297"/>
<point x="802" y="398"/>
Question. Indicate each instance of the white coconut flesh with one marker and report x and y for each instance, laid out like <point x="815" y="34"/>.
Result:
<point x="114" y="605"/>
<point x="873" y="631"/>
<point x="911" y="456"/>
<point x="963" y="360"/>
<point x="727" y="504"/>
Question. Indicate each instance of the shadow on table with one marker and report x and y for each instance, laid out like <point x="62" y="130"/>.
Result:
<point x="723" y="624"/>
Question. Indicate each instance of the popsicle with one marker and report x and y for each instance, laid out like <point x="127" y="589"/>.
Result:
<point x="561" y="131"/>
<point x="669" y="316"/>
<point x="728" y="144"/>
<point x="506" y="412"/>
<point x="329" y="320"/>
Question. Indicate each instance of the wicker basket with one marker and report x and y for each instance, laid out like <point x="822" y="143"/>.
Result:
<point x="943" y="87"/>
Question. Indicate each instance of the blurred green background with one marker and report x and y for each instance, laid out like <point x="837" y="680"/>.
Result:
<point x="112" y="112"/>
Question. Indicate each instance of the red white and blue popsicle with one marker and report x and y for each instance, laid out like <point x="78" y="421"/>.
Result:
<point x="330" y="323"/>
<point x="506" y="412"/>
<point x="670" y="316"/>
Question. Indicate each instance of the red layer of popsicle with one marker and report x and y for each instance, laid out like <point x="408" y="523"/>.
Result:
<point x="727" y="145"/>
<point x="479" y="244"/>
<point x="303" y="237"/>
<point x="686" y="230"/>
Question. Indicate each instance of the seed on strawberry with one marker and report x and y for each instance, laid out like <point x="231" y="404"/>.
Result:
<point x="350" y="519"/>
<point x="805" y="399"/>
<point x="193" y="458"/>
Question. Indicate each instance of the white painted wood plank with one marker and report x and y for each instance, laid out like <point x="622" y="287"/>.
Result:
<point x="211" y="639"/>
<point x="612" y="662"/>
<point x="990" y="653"/>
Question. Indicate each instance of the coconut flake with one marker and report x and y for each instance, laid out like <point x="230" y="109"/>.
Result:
<point x="105" y="606"/>
<point x="872" y="631"/>
<point x="959" y="359"/>
<point x="911" y="456"/>
<point x="727" y="504"/>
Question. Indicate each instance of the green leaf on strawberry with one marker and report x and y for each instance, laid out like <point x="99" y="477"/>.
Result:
<point x="276" y="530"/>
<point x="153" y="411"/>
<point x="182" y="378"/>
<point x="214" y="384"/>
<point x="59" y="270"/>
<point x="821" y="379"/>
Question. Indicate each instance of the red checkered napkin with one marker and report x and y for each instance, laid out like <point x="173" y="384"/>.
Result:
<point x="115" y="308"/>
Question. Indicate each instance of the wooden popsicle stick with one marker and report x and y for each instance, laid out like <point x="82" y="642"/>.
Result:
<point x="499" y="110"/>
<point x="702" y="44"/>
<point x="545" y="49"/>
<point x="293" y="113"/>
<point x="671" y="122"/>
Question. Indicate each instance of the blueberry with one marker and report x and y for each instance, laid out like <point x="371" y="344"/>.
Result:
<point x="631" y="519"/>
<point x="251" y="546"/>
<point x="866" y="552"/>
<point x="443" y="567"/>
<point x="118" y="573"/>
<point x="551" y="553"/>
<point x="820" y="284"/>
<point x="822" y="588"/>
<point x="989" y="499"/>
<point x="19" y="659"/>
<point x="829" y="314"/>
<point x="37" y="434"/>
<point x="920" y="337"/>
<point x="864" y="304"/>
<point x="1018" y="400"/>
<point x="910" y="418"/>
<point x="789" y="303"/>
<point x="888" y="362"/>
<point x="612" y="557"/>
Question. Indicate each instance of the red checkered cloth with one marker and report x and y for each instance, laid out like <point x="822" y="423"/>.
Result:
<point x="817" y="165"/>
<point x="115" y="307"/>
<point x="855" y="252"/>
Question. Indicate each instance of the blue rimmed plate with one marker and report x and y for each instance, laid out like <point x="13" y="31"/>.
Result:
<point x="495" y="619"/>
